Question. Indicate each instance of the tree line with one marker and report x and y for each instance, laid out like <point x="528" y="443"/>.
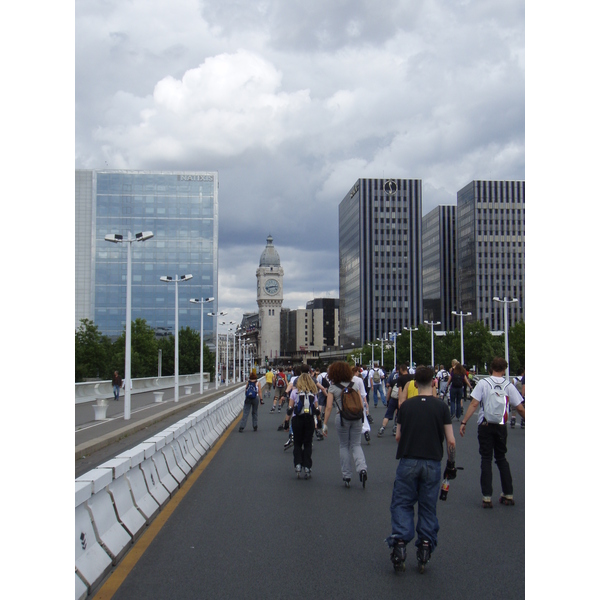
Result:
<point x="96" y="356"/>
<point x="480" y="347"/>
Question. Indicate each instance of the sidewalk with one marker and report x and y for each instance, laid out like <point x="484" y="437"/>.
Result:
<point x="92" y="436"/>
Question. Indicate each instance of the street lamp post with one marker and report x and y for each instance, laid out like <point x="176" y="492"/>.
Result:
<point x="118" y="239"/>
<point x="432" y="326"/>
<point x="201" y="302"/>
<point x="177" y="281"/>
<point x="216" y="328"/>
<point x="462" y="343"/>
<point x="410" y="330"/>
<point x="506" y="302"/>
<point x="395" y="335"/>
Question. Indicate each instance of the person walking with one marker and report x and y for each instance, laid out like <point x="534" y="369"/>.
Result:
<point x="376" y="377"/>
<point x="489" y="393"/>
<point x="117" y="383"/>
<point x="253" y="396"/>
<point x="423" y="423"/>
<point x="349" y="431"/>
<point x="303" y="405"/>
<point x="268" y="382"/>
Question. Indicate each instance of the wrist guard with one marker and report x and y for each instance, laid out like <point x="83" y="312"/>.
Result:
<point x="450" y="471"/>
<point x="286" y="425"/>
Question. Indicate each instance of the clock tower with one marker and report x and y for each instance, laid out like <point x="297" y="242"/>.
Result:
<point x="269" y="296"/>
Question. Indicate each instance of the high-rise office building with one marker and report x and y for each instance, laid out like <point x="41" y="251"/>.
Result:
<point x="439" y="266"/>
<point x="490" y="225"/>
<point x="380" y="259"/>
<point x="181" y="209"/>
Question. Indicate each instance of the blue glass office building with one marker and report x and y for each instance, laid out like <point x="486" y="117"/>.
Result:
<point x="181" y="209"/>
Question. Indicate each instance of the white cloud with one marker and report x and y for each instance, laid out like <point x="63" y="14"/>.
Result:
<point x="292" y="103"/>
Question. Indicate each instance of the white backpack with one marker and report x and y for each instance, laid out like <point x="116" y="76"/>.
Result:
<point x="495" y="407"/>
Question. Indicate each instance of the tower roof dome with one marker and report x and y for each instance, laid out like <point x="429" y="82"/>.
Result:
<point x="270" y="256"/>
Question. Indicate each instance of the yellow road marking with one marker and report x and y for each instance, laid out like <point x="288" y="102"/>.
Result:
<point x="124" y="568"/>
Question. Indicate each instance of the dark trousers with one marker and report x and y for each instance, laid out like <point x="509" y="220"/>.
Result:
<point x="303" y="427"/>
<point x="492" y="444"/>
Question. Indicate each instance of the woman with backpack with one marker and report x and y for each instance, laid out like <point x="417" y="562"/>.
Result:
<point x="253" y="396"/>
<point x="458" y="380"/>
<point x="347" y="424"/>
<point x="303" y="405"/>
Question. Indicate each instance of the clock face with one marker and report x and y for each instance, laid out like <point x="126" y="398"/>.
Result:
<point x="271" y="286"/>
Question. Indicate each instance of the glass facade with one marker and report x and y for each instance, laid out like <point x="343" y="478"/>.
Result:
<point x="380" y="259"/>
<point x="491" y="250"/>
<point x="181" y="209"/>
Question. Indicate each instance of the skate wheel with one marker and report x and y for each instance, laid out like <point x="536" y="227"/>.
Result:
<point x="421" y="568"/>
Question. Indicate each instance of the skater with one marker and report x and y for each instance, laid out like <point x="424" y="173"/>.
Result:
<point x="280" y="385"/>
<point x="397" y="385"/>
<point x="349" y="431"/>
<point x="458" y="380"/>
<point x="519" y="383"/>
<point x="253" y="396"/>
<point x="360" y="387"/>
<point x="302" y="408"/>
<point x="491" y="428"/>
<point x="423" y="423"/>
<point x="117" y="383"/>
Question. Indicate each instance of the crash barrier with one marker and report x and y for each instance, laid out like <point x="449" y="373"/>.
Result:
<point x="117" y="500"/>
<point x="97" y="390"/>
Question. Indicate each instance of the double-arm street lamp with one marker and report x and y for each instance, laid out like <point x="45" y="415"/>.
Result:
<point x="395" y="336"/>
<point x="410" y="330"/>
<point x="432" y="326"/>
<point x="216" y="328"/>
<point x="201" y="302"/>
<point x="176" y="280"/>
<point x="506" y="301"/>
<point x="462" y="341"/>
<point x="116" y="238"/>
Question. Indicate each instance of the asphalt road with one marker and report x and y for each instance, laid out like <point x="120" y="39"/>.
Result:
<point x="248" y="528"/>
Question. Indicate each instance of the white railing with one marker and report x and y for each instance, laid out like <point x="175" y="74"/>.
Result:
<point x="115" y="501"/>
<point x="96" y="390"/>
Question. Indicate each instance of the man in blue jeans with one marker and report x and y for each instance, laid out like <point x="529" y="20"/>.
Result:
<point x="423" y="423"/>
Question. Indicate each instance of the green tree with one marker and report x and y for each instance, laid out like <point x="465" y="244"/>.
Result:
<point x="92" y="352"/>
<point x="189" y="354"/>
<point x="516" y="345"/>
<point x="144" y="350"/>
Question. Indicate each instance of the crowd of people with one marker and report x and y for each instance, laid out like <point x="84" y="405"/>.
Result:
<point x="421" y="403"/>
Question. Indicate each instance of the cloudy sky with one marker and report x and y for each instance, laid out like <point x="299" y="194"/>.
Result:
<point x="292" y="102"/>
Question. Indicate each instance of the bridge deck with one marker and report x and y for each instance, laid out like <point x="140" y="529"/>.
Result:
<point x="244" y="526"/>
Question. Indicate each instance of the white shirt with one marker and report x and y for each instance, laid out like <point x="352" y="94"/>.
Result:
<point x="483" y="389"/>
<point x="359" y="386"/>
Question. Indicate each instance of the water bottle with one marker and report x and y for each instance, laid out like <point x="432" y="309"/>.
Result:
<point x="444" y="490"/>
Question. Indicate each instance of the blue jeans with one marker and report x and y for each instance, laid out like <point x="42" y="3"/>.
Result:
<point x="116" y="391"/>
<point x="250" y="406"/>
<point x="417" y="481"/>
<point x="377" y="389"/>
<point x="456" y="395"/>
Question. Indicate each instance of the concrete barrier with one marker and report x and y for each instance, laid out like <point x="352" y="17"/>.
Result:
<point x="158" y="396"/>
<point x="115" y="501"/>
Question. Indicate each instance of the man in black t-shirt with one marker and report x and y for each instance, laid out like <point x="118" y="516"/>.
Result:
<point x="423" y="423"/>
